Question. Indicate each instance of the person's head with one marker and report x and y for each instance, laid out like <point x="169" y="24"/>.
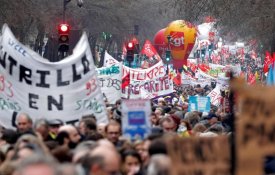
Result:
<point x="82" y="150"/>
<point x="37" y="164"/>
<point x="192" y="117"/>
<point x="24" y="123"/>
<point x="159" y="165"/>
<point x="42" y="127"/>
<point x="101" y="128"/>
<point x="144" y="151"/>
<point x="168" y="124"/>
<point x="87" y="125"/>
<point x="30" y="139"/>
<point x="158" y="112"/>
<point x="212" y="118"/>
<point x="131" y="161"/>
<point x="154" y="119"/>
<point x="102" y="161"/>
<point x="73" y="136"/>
<point x="113" y="131"/>
<point x="54" y="126"/>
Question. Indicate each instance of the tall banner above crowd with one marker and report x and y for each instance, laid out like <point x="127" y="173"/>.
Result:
<point x="67" y="89"/>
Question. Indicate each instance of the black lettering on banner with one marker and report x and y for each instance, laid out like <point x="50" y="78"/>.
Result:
<point x="52" y="101"/>
<point x="43" y="83"/>
<point x="32" y="100"/>
<point x="13" y="119"/>
<point x="72" y="122"/>
<point x="114" y="83"/>
<point x="25" y="74"/>
<point x="60" y="82"/>
<point x="3" y="60"/>
<point x="75" y="75"/>
<point x="101" y="82"/>
<point x="86" y="64"/>
<point x="13" y="62"/>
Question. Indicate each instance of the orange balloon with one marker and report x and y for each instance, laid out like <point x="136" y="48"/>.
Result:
<point x="183" y="36"/>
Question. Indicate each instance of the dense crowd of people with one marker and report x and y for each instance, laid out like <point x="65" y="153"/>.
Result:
<point x="95" y="148"/>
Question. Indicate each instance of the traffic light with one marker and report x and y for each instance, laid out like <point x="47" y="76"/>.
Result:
<point x="63" y="31"/>
<point x="203" y="52"/>
<point x="168" y="56"/>
<point x="130" y="52"/>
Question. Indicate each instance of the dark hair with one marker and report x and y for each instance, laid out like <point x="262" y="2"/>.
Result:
<point x="93" y="135"/>
<point x="61" y="136"/>
<point x="130" y="152"/>
<point x="157" y="146"/>
<point x="89" y="116"/>
<point x="89" y="123"/>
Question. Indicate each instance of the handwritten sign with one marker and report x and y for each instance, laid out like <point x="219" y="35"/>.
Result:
<point x="110" y="82"/>
<point x="28" y="83"/>
<point x="255" y="127"/>
<point x="148" y="89"/>
<point x="199" y="155"/>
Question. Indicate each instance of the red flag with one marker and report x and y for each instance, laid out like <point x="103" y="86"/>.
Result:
<point x="268" y="60"/>
<point x="125" y="81"/>
<point x="149" y="50"/>
<point x="177" y="79"/>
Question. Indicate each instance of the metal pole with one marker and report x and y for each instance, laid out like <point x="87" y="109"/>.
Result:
<point x="64" y="9"/>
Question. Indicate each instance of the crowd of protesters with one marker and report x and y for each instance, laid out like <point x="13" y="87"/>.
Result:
<point x="89" y="148"/>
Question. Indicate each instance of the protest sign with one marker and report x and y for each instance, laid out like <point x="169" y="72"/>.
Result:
<point x="67" y="89"/>
<point x="199" y="155"/>
<point x="155" y="71"/>
<point x="215" y="96"/>
<point x="109" y="60"/>
<point x="255" y="138"/>
<point x="198" y="103"/>
<point x="110" y="82"/>
<point x="135" y="120"/>
<point x="148" y="89"/>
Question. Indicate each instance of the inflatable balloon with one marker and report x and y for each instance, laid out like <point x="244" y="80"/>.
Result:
<point x="160" y="42"/>
<point x="182" y="39"/>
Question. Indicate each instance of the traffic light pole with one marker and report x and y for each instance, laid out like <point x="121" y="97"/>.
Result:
<point x="167" y="68"/>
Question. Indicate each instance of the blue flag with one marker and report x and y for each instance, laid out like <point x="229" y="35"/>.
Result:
<point x="270" y="76"/>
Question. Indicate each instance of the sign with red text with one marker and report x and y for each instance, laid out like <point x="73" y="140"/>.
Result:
<point x="148" y="89"/>
<point x="67" y="89"/>
<point x="215" y="96"/>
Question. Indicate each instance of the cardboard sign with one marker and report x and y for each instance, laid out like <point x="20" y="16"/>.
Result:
<point x="255" y="138"/>
<point x="197" y="103"/>
<point x="67" y="89"/>
<point x="199" y="155"/>
<point x="135" y="120"/>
